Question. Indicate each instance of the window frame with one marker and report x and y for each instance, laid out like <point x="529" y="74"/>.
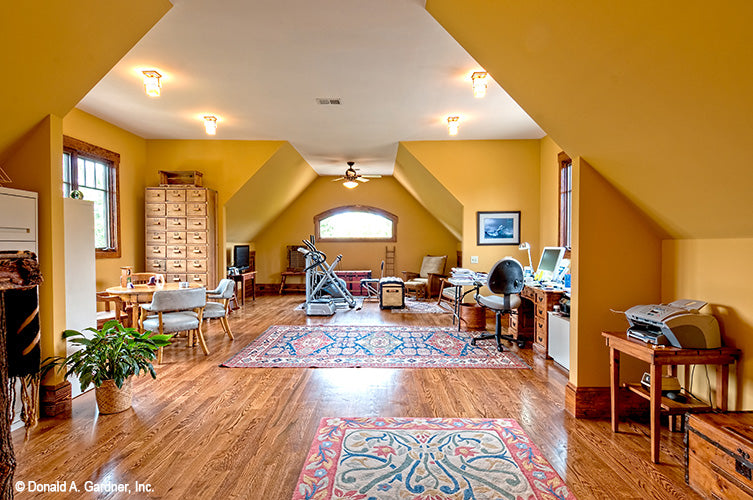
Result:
<point x="355" y="208"/>
<point x="75" y="148"/>
<point x="565" y="195"/>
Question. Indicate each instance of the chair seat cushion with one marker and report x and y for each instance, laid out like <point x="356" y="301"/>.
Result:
<point x="172" y="322"/>
<point x="214" y="310"/>
<point x="418" y="281"/>
<point x="497" y="302"/>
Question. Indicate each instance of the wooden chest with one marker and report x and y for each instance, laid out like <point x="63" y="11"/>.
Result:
<point x="718" y="450"/>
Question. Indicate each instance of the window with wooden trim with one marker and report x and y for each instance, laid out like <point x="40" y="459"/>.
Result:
<point x="93" y="171"/>
<point x="566" y="200"/>
<point x="356" y="223"/>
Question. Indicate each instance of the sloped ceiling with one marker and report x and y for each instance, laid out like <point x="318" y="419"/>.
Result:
<point x="655" y="95"/>
<point x="266" y="194"/>
<point x="429" y="192"/>
<point x="55" y="52"/>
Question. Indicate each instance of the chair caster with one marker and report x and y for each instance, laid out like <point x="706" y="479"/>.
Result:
<point x="521" y="344"/>
<point x="473" y="341"/>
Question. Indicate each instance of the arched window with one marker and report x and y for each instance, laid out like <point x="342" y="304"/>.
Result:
<point x="356" y="223"/>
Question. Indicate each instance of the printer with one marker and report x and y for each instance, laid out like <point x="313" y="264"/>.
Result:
<point x="678" y="324"/>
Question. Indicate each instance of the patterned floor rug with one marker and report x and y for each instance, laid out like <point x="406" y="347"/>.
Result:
<point x="437" y="458"/>
<point x="352" y="346"/>
<point x="413" y="306"/>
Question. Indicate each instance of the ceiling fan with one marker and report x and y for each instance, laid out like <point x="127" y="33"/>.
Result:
<point x="351" y="176"/>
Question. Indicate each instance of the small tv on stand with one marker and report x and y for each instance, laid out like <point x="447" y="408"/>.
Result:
<point x="240" y="257"/>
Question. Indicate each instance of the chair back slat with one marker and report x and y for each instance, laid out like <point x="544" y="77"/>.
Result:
<point x="178" y="300"/>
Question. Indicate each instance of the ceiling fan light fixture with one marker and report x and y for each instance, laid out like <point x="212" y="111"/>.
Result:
<point x="479" y="84"/>
<point x="210" y="124"/>
<point x="152" y="83"/>
<point x="350" y="184"/>
<point x="453" y="124"/>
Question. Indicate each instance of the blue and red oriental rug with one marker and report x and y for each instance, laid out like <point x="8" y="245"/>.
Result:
<point x="426" y="458"/>
<point x="352" y="346"/>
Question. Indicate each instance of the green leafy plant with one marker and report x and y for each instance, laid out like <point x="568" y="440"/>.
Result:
<point x="113" y="353"/>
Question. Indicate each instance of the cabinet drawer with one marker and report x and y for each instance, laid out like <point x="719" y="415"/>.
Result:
<point x="176" y="210"/>
<point x="528" y="293"/>
<point x="175" y="195"/>
<point x="540" y="298"/>
<point x="176" y="224"/>
<point x="196" y="195"/>
<point x="176" y="238"/>
<point x="197" y="237"/>
<point x="156" y="223"/>
<point x="200" y="279"/>
<point x="513" y="323"/>
<point x="155" y="210"/>
<point x="194" y="209"/>
<point x="541" y="311"/>
<point x="197" y="251"/>
<point x="197" y="266"/>
<point x="176" y="252"/>
<point x="176" y="266"/>
<point x="156" y="238"/>
<point x="155" y="266"/>
<point x="155" y="252"/>
<point x="155" y="196"/>
<point x="175" y="278"/>
<point x="197" y="224"/>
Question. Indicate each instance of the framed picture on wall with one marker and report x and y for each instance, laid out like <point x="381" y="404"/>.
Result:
<point x="498" y="228"/>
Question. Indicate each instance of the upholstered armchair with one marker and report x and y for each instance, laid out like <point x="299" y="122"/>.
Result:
<point x="429" y="277"/>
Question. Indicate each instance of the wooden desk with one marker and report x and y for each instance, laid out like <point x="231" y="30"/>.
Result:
<point x="141" y="294"/>
<point x="531" y="319"/>
<point x="658" y="357"/>
<point x="241" y="283"/>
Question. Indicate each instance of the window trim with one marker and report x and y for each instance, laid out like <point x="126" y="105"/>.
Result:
<point x="565" y="215"/>
<point x="76" y="147"/>
<point x="356" y="208"/>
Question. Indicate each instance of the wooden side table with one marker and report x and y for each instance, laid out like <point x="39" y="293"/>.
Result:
<point x="658" y="357"/>
<point x="284" y="277"/>
<point x="241" y="283"/>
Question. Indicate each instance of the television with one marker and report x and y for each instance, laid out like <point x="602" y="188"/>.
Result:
<point x="240" y="257"/>
<point x="550" y="260"/>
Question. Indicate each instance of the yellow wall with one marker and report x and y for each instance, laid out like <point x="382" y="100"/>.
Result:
<point x="133" y="164"/>
<point x="549" y="192"/>
<point x="55" y="52"/>
<point x="616" y="264"/>
<point x="418" y="232"/>
<point x="487" y="176"/>
<point x="719" y="272"/>
<point x="37" y="166"/>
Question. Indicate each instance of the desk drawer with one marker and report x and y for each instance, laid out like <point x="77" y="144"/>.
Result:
<point x="541" y="311"/>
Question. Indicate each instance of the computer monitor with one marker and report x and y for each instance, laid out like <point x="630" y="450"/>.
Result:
<point x="550" y="259"/>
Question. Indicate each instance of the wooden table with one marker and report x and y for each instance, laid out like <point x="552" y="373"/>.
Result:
<point x="658" y="357"/>
<point x="141" y="294"/>
<point x="241" y="283"/>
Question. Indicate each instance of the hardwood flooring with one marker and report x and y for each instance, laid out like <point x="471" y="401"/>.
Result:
<point x="201" y="431"/>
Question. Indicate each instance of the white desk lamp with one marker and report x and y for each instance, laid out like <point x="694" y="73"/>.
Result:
<point x="528" y="270"/>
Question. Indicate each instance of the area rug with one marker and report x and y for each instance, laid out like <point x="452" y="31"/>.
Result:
<point x="413" y="306"/>
<point x="352" y="346"/>
<point x="425" y="458"/>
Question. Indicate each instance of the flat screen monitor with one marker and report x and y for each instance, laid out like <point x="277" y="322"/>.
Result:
<point x="240" y="256"/>
<point x="550" y="259"/>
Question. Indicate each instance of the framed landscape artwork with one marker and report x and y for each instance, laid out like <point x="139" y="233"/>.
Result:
<point x="498" y="228"/>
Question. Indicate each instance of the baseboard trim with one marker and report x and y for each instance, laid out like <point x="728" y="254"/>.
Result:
<point x="596" y="402"/>
<point x="55" y="400"/>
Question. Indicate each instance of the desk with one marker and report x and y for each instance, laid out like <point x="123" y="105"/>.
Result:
<point x="458" y="284"/>
<point x="141" y="294"/>
<point x="657" y="357"/>
<point x="531" y="318"/>
<point x="241" y="283"/>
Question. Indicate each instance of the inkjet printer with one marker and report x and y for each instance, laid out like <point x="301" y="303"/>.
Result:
<point x="678" y="324"/>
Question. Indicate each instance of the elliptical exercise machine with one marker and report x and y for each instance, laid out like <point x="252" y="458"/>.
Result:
<point x="325" y="292"/>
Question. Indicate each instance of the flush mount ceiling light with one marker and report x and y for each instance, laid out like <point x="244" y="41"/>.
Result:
<point x="453" y="124"/>
<point x="479" y="84"/>
<point x="350" y="184"/>
<point x="210" y="124"/>
<point x="152" y="83"/>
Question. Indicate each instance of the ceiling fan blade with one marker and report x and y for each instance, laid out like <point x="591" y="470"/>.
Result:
<point x="361" y="179"/>
<point x="372" y="176"/>
<point x="338" y="179"/>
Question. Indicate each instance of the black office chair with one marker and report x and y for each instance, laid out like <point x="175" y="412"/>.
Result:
<point x="505" y="278"/>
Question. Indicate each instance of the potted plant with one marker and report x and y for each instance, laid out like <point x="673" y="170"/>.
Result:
<point x="109" y="359"/>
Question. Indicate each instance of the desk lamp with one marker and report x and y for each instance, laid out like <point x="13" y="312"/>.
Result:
<point x="528" y="270"/>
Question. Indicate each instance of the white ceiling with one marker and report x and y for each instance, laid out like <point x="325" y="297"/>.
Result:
<point x="259" y="65"/>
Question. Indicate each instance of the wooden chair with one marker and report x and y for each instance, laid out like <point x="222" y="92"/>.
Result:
<point x="296" y="265"/>
<point x="113" y="309"/>
<point x="174" y="311"/>
<point x="219" y="310"/>
<point x="427" y="281"/>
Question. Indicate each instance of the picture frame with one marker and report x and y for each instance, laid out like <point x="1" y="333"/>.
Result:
<point x="498" y="228"/>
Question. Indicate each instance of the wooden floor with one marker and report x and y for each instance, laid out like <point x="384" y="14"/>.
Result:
<point x="203" y="432"/>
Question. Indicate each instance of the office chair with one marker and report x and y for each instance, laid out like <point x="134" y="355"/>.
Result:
<point x="505" y="278"/>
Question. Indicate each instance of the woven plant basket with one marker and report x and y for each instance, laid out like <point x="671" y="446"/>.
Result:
<point x="110" y="399"/>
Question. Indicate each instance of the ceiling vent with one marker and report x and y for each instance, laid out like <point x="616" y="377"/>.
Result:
<point x="328" y="100"/>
